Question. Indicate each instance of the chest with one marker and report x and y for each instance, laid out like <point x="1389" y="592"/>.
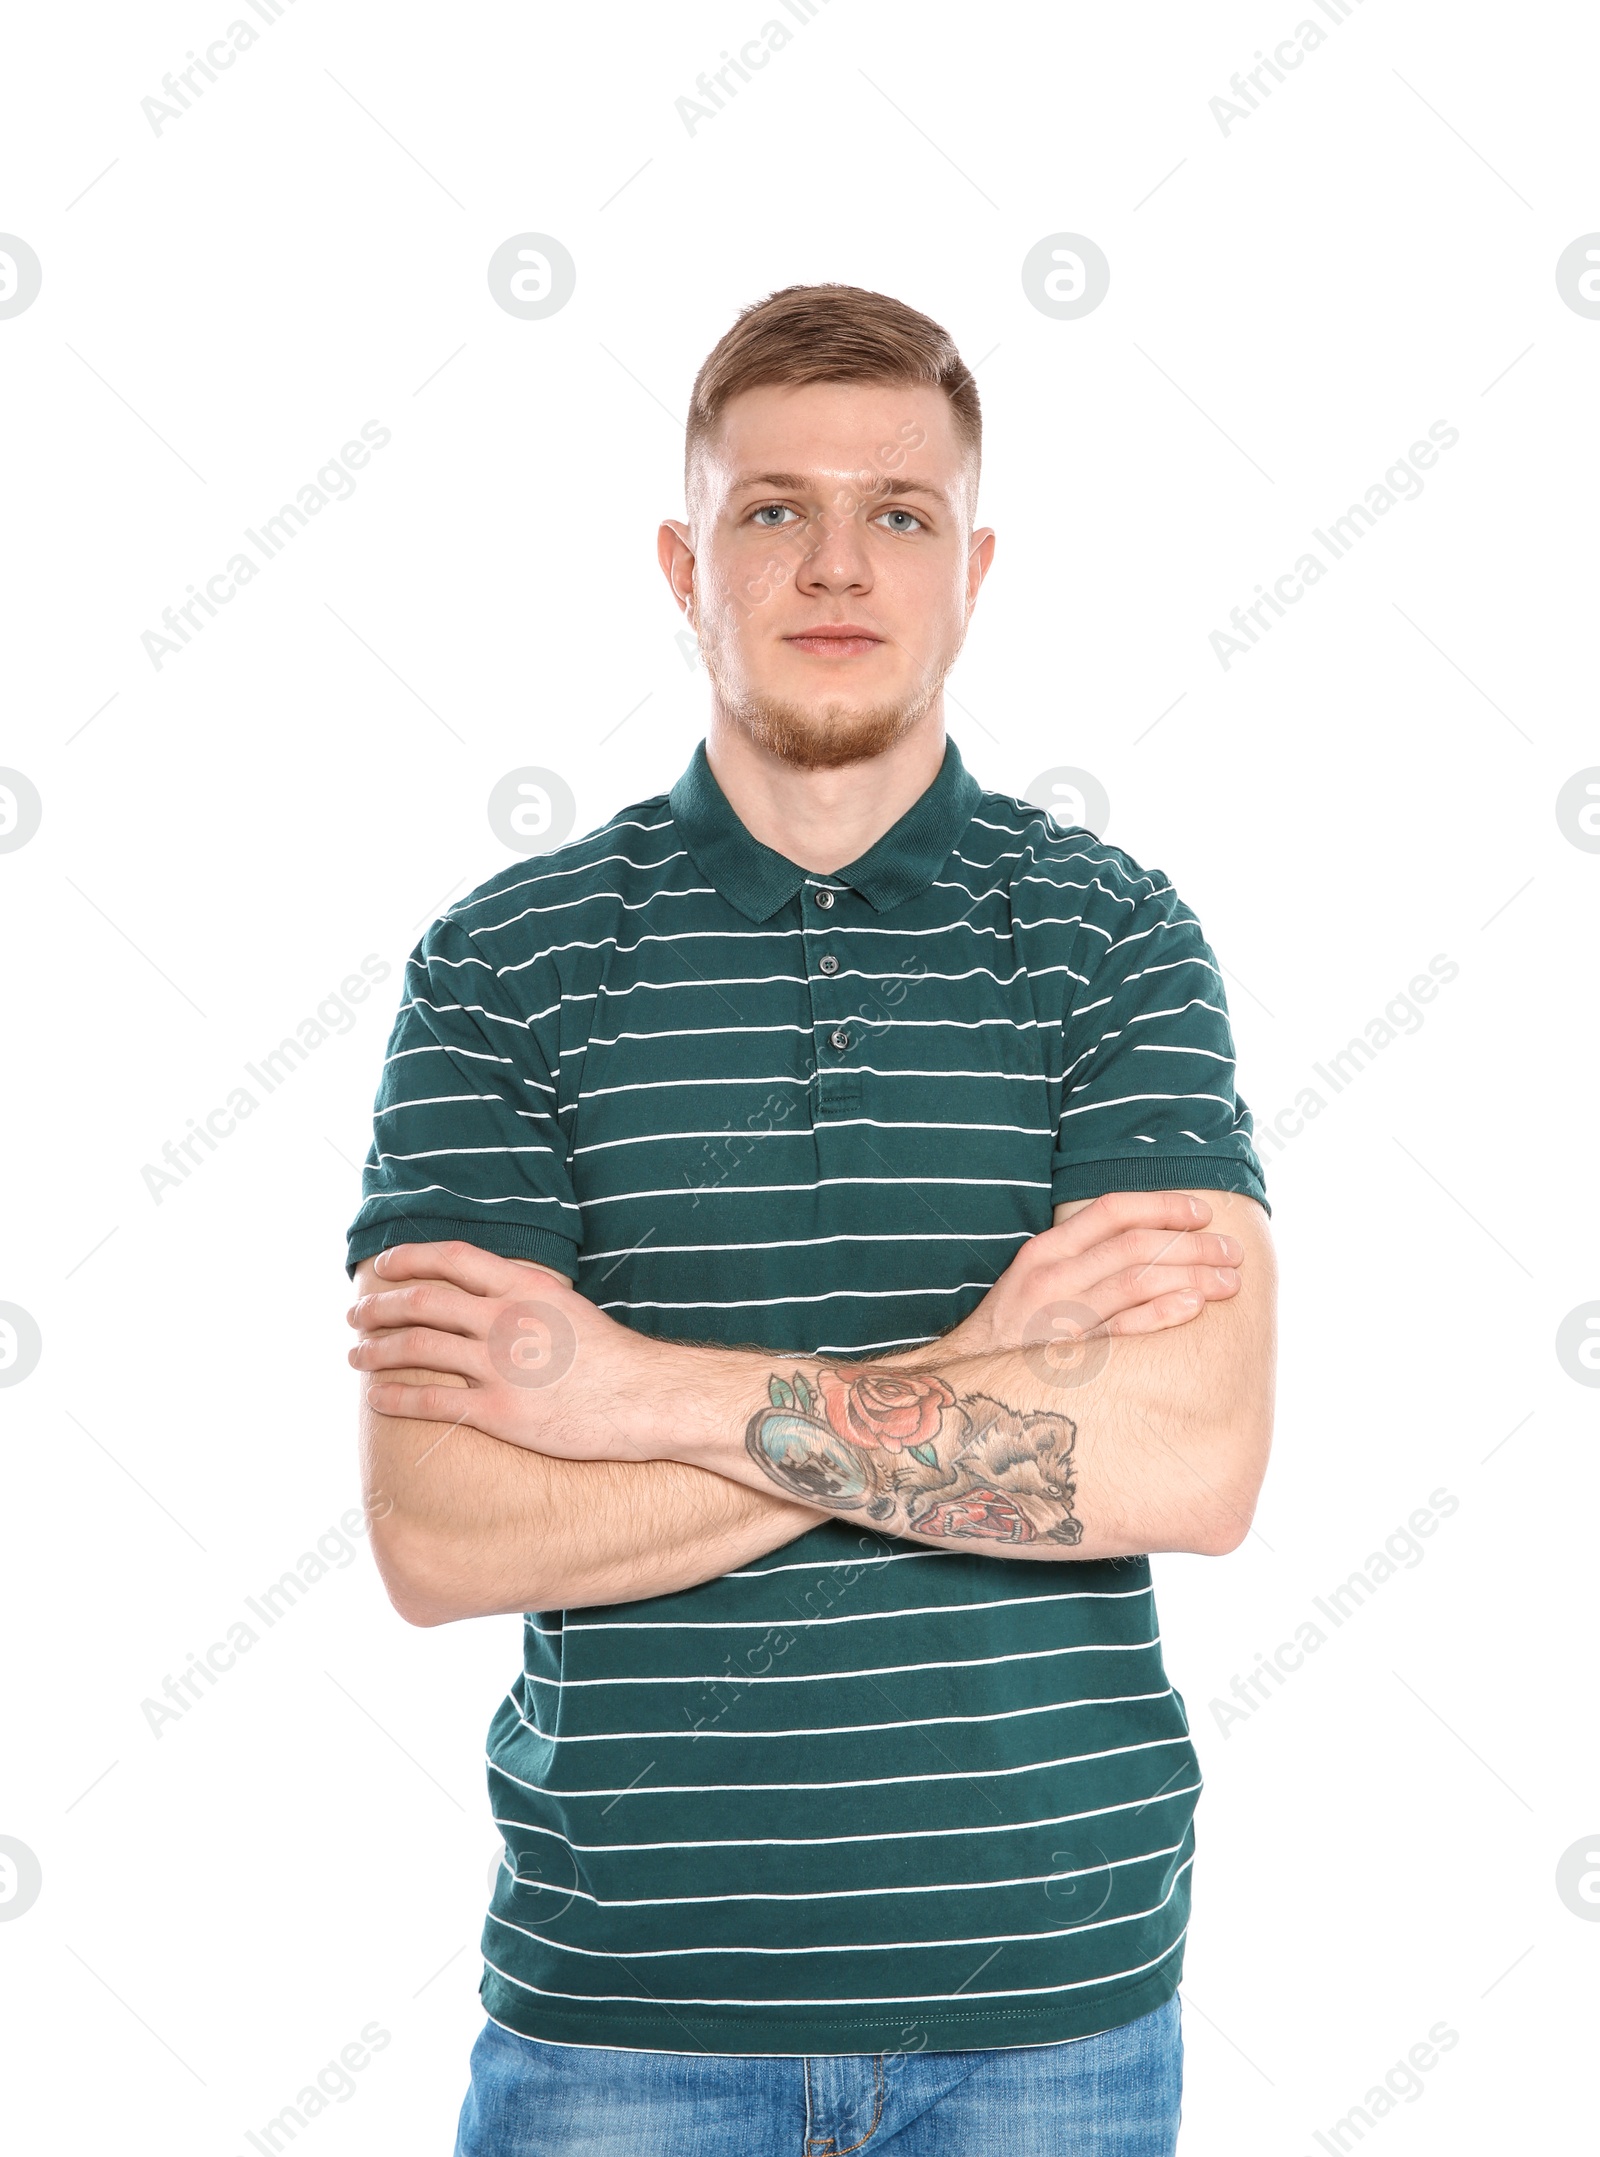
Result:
<point x="828" y="1124"/>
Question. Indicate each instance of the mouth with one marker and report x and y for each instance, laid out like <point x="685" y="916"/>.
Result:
<point x="835" y="640"/>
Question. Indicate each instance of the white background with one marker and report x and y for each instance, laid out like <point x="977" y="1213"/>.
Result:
<point x="224" y="838"/>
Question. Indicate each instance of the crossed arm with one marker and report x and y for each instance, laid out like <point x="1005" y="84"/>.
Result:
<point x="521" y="1450"/>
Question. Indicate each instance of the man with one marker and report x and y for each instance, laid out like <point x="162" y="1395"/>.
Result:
<point x="828" y="1183"/>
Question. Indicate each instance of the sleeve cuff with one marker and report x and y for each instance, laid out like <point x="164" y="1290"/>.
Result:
<point x="504" y="1238"/>
<point x="1157" y="1172"/>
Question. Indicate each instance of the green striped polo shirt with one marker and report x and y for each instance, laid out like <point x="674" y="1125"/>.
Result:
<point x="860" y="1795"/>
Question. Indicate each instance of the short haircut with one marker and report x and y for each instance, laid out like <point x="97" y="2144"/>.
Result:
<point x="832" y="333"/>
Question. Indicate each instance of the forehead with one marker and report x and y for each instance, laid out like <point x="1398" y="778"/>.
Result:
<point x="832" y="432"/>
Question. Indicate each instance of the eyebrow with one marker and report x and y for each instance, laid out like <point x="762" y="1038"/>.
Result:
<point x="799" y="483"/>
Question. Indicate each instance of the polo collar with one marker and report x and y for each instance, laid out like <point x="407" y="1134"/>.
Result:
<point x="757" y="880"/>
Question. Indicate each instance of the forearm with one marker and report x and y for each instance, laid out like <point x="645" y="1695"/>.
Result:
<point x="1140" y="1444"/>
<point x="465" y="1526"/>
<point x="1114" y="1443"/>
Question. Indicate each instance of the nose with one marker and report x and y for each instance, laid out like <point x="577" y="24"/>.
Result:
<point x="836" y="558"/>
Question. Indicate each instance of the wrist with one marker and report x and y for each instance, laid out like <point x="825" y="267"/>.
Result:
<point x="683" y="1403"/>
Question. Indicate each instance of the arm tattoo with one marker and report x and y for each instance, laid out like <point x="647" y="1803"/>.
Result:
<point x="901" y="1447"/>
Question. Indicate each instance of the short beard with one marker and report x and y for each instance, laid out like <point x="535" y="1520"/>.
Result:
<point x="811" y="740"/>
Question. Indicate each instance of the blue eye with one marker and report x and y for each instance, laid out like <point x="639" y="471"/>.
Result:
<point x="782" y="509"/>
<point x="911" y="522"/>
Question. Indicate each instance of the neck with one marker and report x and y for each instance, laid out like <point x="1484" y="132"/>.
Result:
<point x="824" y="819"/>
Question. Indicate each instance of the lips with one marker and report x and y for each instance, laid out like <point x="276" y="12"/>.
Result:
<point x="835" y="639"/>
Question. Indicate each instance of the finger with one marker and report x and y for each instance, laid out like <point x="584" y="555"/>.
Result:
<point x="1163" y="1312"/>
<point x="1137" y="1254"/>
<point x="1156" y="1247"/>
<point x="417" y="1348"/>
<point x="1117" y="1211"/>
<point x="421" y="1404"/>
<point x="484" y="1273"/>
<point x="1128" y="1291"/>
<point x="429" y="1302"/>
<point x="1158" y="1317"/>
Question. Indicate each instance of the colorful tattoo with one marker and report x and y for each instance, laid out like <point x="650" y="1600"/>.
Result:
<point x="902" y="1448"/>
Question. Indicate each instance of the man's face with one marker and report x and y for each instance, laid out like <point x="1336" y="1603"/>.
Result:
<point x="832" y="563"/>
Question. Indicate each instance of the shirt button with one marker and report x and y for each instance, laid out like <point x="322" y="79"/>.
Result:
<point x="839" y="1039"/>
<point x="829" y="965"/>
<point x="824" y="900"/>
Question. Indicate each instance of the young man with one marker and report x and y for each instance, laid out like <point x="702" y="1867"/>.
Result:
<point x="828" y="1185"/>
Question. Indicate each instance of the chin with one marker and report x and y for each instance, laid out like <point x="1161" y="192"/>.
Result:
<point x="823" y="736"/>
<point x="821" y="733"/>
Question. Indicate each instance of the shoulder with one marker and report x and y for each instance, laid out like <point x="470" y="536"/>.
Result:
<point x="1040" y="855"/>
<point x="543" y="900"/>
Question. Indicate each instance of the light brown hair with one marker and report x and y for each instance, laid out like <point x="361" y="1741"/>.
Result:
<point x="832" y="333"/>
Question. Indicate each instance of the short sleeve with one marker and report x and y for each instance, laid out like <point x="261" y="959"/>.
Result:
<point x="466" y="1145"/>
<point x="1149" y="1101"/>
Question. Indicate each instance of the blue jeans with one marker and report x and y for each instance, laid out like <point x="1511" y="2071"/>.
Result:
<point x="1114" y="2095"/>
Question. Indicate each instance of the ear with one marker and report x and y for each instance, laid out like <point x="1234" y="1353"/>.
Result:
<point x="675" y="553"/>
<point x="980" y="554"/>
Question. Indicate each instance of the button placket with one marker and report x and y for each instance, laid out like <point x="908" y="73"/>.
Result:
<point x="838" y="1088"/>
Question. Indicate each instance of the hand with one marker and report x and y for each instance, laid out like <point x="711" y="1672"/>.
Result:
<point x="1132" y="1261"/>
<point x="514" y="1330"/>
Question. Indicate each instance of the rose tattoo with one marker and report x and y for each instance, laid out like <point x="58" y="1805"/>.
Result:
<point x="903" y="1448"/>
